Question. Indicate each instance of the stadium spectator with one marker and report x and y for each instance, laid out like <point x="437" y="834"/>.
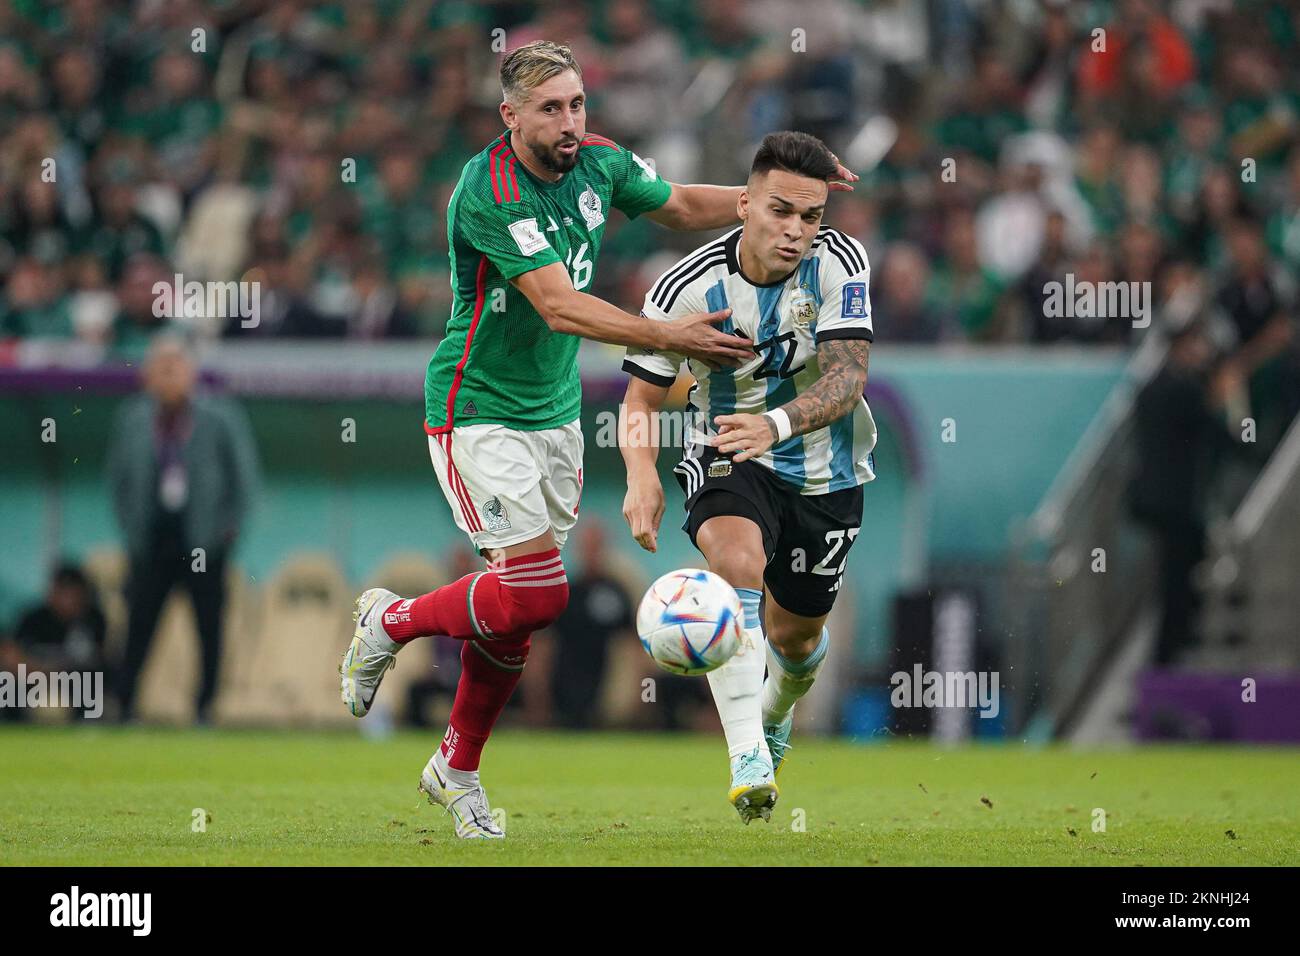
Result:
<point x="599" y="613"/>
<point x="284" y="310"/>
<point x="1140" y="45"/>
<point x="1283" y="228"/>
<point x="964" y="293"/>
<point x="182" y="470"/>
<point x="1180" y="440"/>
<point x="33" y="304"/>
<point x="136" y="321"/>
<point x="65" y="632"/>
<point x="646" y="71"/>
<point x="986" y="115"/>
<point x="1052" y="265"/>
<point x="117" y="230"/>
<point x="1259" y="298"/>
<point x="899" y="296"/>
<point x="41" y="227"/>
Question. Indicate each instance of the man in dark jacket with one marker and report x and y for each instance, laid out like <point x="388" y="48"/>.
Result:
<point x="183" y="469"/>
<point x="1180" y="438"/>
<point x="599" y="612"/>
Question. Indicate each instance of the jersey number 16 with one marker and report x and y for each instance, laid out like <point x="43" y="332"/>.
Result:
<point x="579" y="267"/>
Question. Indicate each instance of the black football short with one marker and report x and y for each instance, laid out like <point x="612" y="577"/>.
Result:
<point x="806" y="537"/>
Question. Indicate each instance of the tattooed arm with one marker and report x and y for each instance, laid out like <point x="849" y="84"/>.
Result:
<point x="843" y="364"/>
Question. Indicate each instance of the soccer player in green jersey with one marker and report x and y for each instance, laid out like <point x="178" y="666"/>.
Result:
<point x="502" y="394"/>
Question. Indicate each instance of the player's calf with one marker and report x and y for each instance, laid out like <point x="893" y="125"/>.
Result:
<point x="490" y="671"/>
<point x="792" y="668"/>
<point x="521" y="594"/>
<point x="732" y="543"/>
<point x="504" y="604"/>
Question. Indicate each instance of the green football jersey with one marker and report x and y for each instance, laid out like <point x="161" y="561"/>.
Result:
<point x="499" y="362"/>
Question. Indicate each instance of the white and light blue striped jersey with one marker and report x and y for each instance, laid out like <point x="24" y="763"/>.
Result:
<point x="825" y="297"/>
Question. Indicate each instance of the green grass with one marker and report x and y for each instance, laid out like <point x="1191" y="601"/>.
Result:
<point x="99" y="796"/>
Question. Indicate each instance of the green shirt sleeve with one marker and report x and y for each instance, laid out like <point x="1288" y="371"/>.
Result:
<point x="637" y="187"/>
<point x="507" y="233"/>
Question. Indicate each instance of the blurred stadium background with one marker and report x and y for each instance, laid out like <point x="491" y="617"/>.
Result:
<point x="1012" y="445"/>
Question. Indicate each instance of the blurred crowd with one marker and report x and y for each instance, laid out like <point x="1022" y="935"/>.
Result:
<point x="1002" y="145"/>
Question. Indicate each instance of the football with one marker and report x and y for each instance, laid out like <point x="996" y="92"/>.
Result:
<point x="690" y="621"/>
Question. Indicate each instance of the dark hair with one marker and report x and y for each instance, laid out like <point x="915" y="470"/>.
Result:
<point x="796" y="153"/>
<point x="69" y="573"/>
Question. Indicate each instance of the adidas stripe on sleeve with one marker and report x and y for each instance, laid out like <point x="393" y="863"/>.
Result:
<point x="845" y="310"/>
<point x="675" y="294"/>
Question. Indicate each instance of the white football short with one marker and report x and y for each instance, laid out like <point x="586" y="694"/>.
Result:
<point x="505" y="485"/>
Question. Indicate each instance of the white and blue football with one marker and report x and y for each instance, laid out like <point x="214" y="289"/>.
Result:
<point x="690" y="621"/>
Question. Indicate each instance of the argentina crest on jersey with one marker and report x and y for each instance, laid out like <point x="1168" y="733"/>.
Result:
<point x="803" y="307"/>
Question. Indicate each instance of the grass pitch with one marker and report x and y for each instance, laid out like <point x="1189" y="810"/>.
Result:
<point x="104" y="795"/>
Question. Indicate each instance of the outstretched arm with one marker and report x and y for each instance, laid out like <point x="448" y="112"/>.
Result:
<point x="701" y="206"/>
<point x="843" y="364"/>
<point x="567" y="310"/>
<point x="698" y="207"/>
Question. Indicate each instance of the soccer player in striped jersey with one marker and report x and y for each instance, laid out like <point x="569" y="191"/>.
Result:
<point x="777" y="450"/>
<point x="502" y="394"/>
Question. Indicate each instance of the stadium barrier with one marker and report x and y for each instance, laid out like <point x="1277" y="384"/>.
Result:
<point x="1252" y="603"/>
<point x="1068" y="621"/>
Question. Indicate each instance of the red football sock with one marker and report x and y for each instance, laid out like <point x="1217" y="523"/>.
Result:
<point x="489" y="672"/>
<point x="523" y="595"/>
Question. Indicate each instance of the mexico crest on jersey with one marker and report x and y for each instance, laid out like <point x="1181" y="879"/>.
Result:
<point x="590" y="206"/>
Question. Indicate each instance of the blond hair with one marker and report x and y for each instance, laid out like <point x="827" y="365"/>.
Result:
<point x="527" y="67"/>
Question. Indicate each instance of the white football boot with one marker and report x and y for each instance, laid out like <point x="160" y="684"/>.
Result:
<point x="753" y="785"/>
<point x="371" y="653"/>
<point x="468" y="806"/>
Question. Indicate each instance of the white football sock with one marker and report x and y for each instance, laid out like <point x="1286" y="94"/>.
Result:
<point x="788" y="680"/>
<point x="737" y="684"/>
<point x="460" y="779"/>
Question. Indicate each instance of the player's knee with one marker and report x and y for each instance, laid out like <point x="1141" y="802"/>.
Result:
<point x="733" y="546"/>
<point x="739" y="568"/>
<point x="794" y="640"/>
<point x="530" y="609"/>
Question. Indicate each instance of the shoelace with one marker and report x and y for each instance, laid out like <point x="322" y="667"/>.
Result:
<point x="780" y="748"/>
<point x="371" y="660"/>
<point x="478" y="807"/>
<point x="746" y="761"/>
